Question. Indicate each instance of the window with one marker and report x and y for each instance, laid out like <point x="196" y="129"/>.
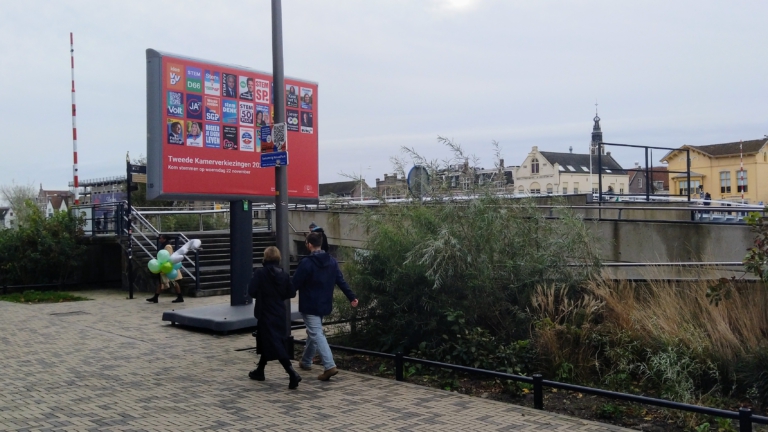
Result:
<point x="595" y="189"/>
<point x="741" y="181"/>
<point x="565" y="188"/>
<point x="685" y="190"/>
<point x="571" y="168"/>
<point x="621" y="188"/>
<point x="608" y="171"/>
<point x="521" y="190"/>
<point x="561" y="168"/>
<point x="534" y="166"/>
<point x="576" y="187"/>
<point x="585" y="168"/>
<point x="658" y="185"/>
<point x="550" y="189"/>
<point x="535" y="188"/>
<point x="725" y="182"/>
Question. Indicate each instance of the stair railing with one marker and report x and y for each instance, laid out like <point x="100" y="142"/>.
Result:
<point x="142" y="222"/>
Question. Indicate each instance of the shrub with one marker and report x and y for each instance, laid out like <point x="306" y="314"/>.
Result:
<point x="41" y="250"/>
<point x="482" y="256"/>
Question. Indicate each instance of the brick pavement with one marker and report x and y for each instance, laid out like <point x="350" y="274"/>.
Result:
<point x="112" y="364"/>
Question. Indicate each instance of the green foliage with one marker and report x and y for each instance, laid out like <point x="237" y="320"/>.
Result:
<point x="41" y="250"/>
<point x="678" y="373"/>
<point x="476" y="347"/>
<point x="610" y="411"/>
<point x="752" y="375"/>
<point x="481" y="256"/>
<point x="41" y="297"/>
<point x="704" y="427"/>
<point x="725" y="425"/>
<point x="756" y="260"/>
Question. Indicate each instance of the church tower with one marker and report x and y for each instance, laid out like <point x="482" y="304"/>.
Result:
<point x="597" y="135"/>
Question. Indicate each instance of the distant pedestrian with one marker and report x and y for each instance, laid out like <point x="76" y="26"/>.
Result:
<point x="707" y="201"/>
<point x="164" y="282"/>
<point x="314" y="228"/>
<point x="315" y="279"/>
<point x="270" y="287"/>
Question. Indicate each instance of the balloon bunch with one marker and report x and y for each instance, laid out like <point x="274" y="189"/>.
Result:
<point x="170" y="264"/>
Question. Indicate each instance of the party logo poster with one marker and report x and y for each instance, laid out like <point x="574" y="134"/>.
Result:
<point x="261" y="91"/>
<point x="291" y="96"/>
<point x="246" y="88"/>
<point x="229" y="111"/>
<point x="175" y="131"/>
<point x="247" y="139"/>
<point x="230" y="85"/>
<point x="306" y="98"/>
<point x="194" y="79"/>
<point x="194" y="134"/>
<point x="212" y="109"/>
<point x="262" y="115"/>
<point x="212" y="135"/>
<point x="212" y="83"/>
<point x="307" y="122"/>
<point x="266" y="133"/>
<point x="194" y="107"/>
<point x="176" y="77"/>
<point x="230" y="137"/>
<point x="175" y="104"/>
<point x="246" y="113"/>
<point x="292" y="120"/>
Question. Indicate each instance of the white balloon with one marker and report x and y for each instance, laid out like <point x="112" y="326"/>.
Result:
<point x="191" y="245"/>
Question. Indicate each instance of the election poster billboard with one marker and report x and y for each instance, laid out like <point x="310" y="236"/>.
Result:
<point x="210" y="129"/>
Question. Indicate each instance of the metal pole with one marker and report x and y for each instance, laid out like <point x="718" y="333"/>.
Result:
<point x="281" y="172"/>
<point x="129" y="250"/>
<point x="538" y="392"/>
<point x="399" y="376"/>
<point x="745" y="420"/>
<point x="648" y="182"/>
<point x="688" y="173"/>
<point x="75" y="175"/>
<point x="599" y="179"/>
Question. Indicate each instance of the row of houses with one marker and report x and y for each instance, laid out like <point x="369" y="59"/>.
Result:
<point x="728" y="172"/>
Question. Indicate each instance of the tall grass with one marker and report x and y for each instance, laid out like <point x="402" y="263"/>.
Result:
<point x="680" y="312"/>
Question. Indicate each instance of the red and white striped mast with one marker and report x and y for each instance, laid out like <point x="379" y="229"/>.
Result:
<point x="741" y="170"/>
<point x="74" y="123"/>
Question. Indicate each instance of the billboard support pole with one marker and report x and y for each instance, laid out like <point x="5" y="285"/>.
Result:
<point x="241" y="251"/>
<point x="281" y="171"/>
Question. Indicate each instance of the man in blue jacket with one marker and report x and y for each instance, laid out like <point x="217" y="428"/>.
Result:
<point x="314" y="279"/>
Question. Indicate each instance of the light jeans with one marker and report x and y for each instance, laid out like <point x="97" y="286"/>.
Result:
<point x="316" y="342"/>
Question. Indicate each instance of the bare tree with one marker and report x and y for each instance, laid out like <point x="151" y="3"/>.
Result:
<point x="16" y="195"/>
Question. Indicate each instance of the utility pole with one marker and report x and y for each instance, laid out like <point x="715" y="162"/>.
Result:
<point x="281" y="171"/>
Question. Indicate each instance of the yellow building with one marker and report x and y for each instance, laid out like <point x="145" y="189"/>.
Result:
<point x="716" y="169"/>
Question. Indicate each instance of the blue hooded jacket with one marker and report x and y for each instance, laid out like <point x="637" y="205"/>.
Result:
<point x="315" y="278"/>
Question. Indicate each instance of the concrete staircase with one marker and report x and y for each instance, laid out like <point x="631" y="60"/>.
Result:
<point x="214" y="261"/>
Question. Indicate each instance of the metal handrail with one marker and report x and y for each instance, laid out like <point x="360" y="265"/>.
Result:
<point x="744" y="415"/>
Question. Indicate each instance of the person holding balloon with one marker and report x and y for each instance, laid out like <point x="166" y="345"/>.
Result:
<point x="170" y="273"/>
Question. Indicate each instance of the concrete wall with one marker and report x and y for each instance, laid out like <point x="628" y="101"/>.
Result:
<point x="621" y="241"/>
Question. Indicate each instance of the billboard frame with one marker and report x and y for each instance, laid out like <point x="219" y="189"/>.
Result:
<point x="156" y="130"/>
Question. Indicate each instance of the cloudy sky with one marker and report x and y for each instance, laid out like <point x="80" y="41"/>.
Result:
<point x="394" y="73"/>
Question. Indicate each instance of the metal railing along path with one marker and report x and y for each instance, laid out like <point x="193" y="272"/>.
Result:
<point x="744" y="415"/>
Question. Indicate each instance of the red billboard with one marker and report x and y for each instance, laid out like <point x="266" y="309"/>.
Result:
<point x="209" y="127"/>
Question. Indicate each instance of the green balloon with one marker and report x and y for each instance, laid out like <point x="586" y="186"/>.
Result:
<point x="163" y="256"/>
<point x="166" y="267"/>
<point x="154" y="266"/>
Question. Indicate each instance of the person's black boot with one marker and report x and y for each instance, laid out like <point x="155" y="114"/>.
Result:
<point x="153" y="299"/>
<point x="257" y="374"/>
<point x="179" y="299"/>
<point x="294" y="378"/>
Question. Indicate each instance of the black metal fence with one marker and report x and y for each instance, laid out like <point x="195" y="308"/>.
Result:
<point x="744" y="415"/>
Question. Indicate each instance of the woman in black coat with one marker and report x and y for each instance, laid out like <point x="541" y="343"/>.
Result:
<point x="270" y="287"/>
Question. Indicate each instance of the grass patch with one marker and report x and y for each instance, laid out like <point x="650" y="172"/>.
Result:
<point x="41" y="297"/>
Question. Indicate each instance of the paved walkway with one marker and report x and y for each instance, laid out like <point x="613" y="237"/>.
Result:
<point x="111" y="364"/>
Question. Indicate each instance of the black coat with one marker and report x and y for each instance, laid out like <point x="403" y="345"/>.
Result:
<point x="270" y="287"/>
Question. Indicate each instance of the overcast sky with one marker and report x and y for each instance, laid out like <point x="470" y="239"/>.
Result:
<point x="394" y="73"/>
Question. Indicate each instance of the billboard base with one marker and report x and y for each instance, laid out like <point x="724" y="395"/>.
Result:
<point x="220" y="318"/>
